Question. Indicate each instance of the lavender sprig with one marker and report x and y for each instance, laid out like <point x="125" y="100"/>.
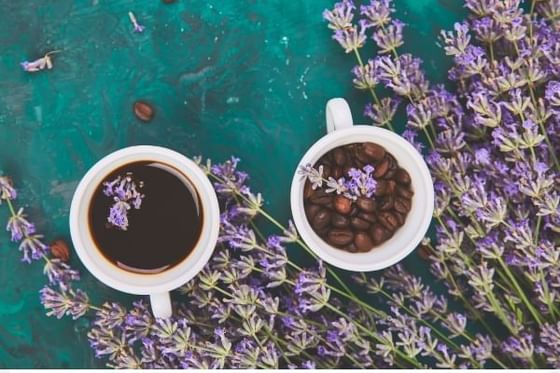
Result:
<point x="125" y="192"/>
<point x="358" y="183"/>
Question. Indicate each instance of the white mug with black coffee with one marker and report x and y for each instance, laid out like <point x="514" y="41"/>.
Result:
<point x="145" y="220"/>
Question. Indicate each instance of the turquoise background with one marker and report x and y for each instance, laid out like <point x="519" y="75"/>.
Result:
<point x="243" y="77"/>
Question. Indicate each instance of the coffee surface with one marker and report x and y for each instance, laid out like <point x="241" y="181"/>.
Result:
<point x="160" y="234"/>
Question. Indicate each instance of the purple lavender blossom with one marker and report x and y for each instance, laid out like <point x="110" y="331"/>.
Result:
<point x="341" y="17"/>
<point x="138" y="28"/>
<point x="7" y="191"/>
<point x="126" y="195"/>
<point x="64" y="302"/>
<point x="19" y="226"/>
<point x="42" y="63"/>
<point x="361" y="182"/>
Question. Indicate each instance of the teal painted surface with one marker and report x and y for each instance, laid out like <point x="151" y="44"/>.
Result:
<point x="243" y="77"/>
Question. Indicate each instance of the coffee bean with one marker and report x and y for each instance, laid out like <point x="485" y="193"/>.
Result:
<point x="337" y="173"/>
<point x="59" y="249"/>
<point x="387" y="203"/>
<point x="381" y="169"/>
<point x="402" y="177"/>
<point x="390" y="174"/>
<point x="402" y="205"/>
<point x="342" y="205"/>
<point x="404" y="192"/>
<point x="370" y="217"/>
<point x="311" y="211"/>
<point x="393" y="164"/>
<point x="320" y="197"/>
<point x="363" y="242"/>
<point x="400" y="218"/>
<point x="379" y="234"/>
<point x="340" y="237"/>
<point x="388" y="220"/>
<point x="366" y="204"/>
<point x="385" y="187"/>
<point x="321" y="219"/>
<point x="307" y="190"/>
<point x="339" y="221"/>
<point x="339" y="156"/>
<point x="361" y="156"/>
<point x="325" y="160"/>
<point x="327" y="171"/>
<point x="143" y="111"/>
<point x="351" y="248"/>
<point x="359" y="223"/>
<point x="373" y="151"/>
<point x="354" y="211"/>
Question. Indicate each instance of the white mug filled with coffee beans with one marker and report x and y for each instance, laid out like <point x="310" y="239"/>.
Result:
<point x="145" y="220"/>
<point x="362" y="197"/>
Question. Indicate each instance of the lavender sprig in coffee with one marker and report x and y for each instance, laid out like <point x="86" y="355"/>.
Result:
<point x="356" y="196"/>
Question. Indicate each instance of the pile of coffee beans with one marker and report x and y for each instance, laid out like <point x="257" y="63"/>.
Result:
<point x="360" y="225"/>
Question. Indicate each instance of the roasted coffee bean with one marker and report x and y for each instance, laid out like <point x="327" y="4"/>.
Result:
<point x="320" y="197"/>
<point x="327" y="171"/>
<point x="325" y="160"/>
<point x="339" y="221"/>
<point x="385" y="187"/>
<point x="337" y="173"/>
<point x="370" y="217"/>
<point x="373" y="151"/>
<point x="354" y="211"/>
<point x="402" y="205"/>
<point x="311" y="210"/>
<point x="366" y="204"/>
<point x="390" y="174"/>
<point x="143" y="111"/>
<point x="404" y="192"/>
<point x="381" y="169"/>
<point x="307" y="190"/>
<point x="402" y="177"/>
<point x="342" y="205"/>
<point x="321" y="219"/>
<point x="388" y="220"/>
<point x="363" y="242"/>
<point x="379" y="234"/>
<point x="393" y="164"/>
<point x="361" y="156"/>
<point x="359" y="223"/>
<point x="387" y="203"/>
<point x="339" y="156"/>
<point x="351" y="248"/>
<point x="59" y="249"/>
<point x="340" y="237"/>
<point x="400" y="218"/>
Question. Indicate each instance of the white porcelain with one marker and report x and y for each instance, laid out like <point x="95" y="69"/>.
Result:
<point x="342" y="131"/>
<point x="157" y="286"/>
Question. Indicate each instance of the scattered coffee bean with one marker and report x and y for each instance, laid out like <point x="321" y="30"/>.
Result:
<point x="59" y="249"/>
<point x="388" y="220"/>
<point x="339" y="156"/>
<point x="387" y="203"/>
<point x="402" y="205"/>
<point x="381" y="169"/>
<point x="340" y="237"/>
<point x="342" y="205"/>
<point x="143" y="111"/>
<point x="372" y="218"/>
<point x="402" y="177"/>
<point x="359" y="223"/>
<point x="311" y="211"/>
<point x="321" y="219"/>
<point x="340" y="221"/>
<point x="363" y="242"/>
<point x="366" y="204"/>
<point x="320" y="197"/>
<point x="373" y="151"/>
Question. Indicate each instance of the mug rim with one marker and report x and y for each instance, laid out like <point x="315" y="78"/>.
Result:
<point x="137" y="283"/>
<point x="338" y="257"/>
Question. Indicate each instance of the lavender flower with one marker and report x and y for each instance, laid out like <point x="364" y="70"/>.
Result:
<point x="42" y="63"/>
<point x="361" y="182"/>
<point x="126" y="195"/>
<point x="7" y="191"/>
<point x="137" y="27"/>
<point x="341" y="17"/>
<point x="19" y="226"/>
<point x="64" y="302"/>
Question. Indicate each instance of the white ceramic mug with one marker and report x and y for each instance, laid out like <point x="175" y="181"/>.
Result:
<point x="342" y="131"/>
<point x="157" y="286"/>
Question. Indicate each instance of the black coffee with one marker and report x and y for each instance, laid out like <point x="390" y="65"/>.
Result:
<point x="162" y="232"/>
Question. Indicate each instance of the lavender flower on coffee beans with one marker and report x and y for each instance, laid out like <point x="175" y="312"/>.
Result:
<point x="357" y="183"/>
<point x="125" y="192"/>
<point x="493" y="152"/>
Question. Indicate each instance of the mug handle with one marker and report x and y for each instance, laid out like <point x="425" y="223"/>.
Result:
<point x="161" y="305"/>
<point x="338" y="115"/>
